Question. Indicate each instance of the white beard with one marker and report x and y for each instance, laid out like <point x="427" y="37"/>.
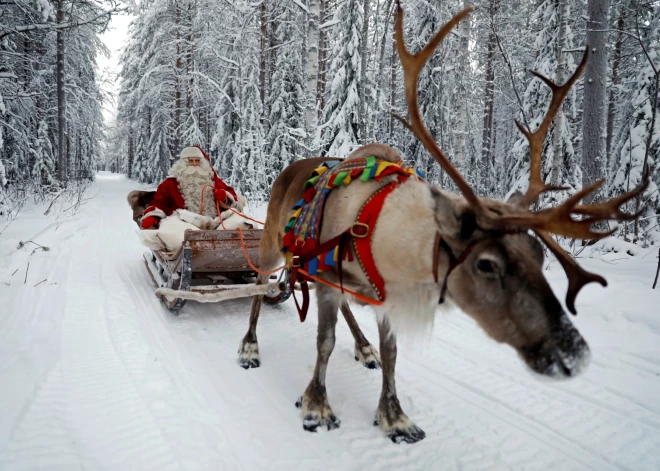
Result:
<point x="191" y="181"/>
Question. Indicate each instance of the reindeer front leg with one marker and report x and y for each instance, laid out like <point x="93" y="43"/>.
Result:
<point x="398" y="427"/>
<point x="316" y="410"/>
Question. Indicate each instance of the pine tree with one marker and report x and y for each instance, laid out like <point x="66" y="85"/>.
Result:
<point x="641" y="143"/>
<point x="286" y="134"/>
<point x="339" y="132"/>
<point x="44" y="161"/>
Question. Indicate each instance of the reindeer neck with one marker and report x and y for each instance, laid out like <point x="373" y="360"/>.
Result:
<point x="404" y="238"/>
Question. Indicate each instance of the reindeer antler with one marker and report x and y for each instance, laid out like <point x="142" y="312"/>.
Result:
<point x="535" y="139"/>
<point x="577" y="276"/>
<point x="558" y="220"/>
<point x="412" y="66"/>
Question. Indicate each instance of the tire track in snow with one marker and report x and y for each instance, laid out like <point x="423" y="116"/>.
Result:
<point x="33" y="318"/>
<point x="103" y="414"/>
<point x="583" y="431"/>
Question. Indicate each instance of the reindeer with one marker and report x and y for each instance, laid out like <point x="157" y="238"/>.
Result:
<point x="429" y="244"/>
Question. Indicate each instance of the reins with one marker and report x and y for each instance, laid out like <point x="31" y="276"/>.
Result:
<point x="240" y="231"/>
<point x="352" y="232"/>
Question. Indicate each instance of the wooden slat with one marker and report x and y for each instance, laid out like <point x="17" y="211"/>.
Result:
<point x="218" y="251"/>
<point x="254" y="234"/>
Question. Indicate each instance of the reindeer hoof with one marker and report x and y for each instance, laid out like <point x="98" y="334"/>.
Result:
<point x="368" y="356"/>
<point x="312" y="421"/>
<point x="248" y="355"/>
<point x="401" y="431"/>
<point x="315" y="418"/>
<point x="249" y="363"/>
<point x="412" y="434"/>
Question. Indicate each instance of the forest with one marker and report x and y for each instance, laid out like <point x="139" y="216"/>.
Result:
<point x="262" y="84"/>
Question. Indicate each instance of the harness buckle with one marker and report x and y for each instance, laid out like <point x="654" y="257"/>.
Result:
<point x="359" y="230"/>
<point x="295" y="261"/>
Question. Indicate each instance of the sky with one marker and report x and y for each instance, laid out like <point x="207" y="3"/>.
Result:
<point x="115" y="40"/>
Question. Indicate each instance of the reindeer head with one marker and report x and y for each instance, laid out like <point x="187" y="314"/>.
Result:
<point x="496" y="266"/>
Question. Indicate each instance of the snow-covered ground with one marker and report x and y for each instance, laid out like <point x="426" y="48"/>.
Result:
<point x="96" y="374"/>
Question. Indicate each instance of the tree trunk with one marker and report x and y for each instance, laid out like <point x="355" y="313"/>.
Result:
<point x="616" y="80"/>
<point x="131" y="153"/>
<point x="270" y="62"/>
<point x="190" y="66"/>
<point x="61" y="103"/>
<point x="312" y="66"/>
<point x="561" y="8"/>
<point x="461" y="99"/>
<point x="263" y="44"/>
<point x="177" y="76"/>
<point x="393" y="62"/>
<point x="649" y="142"/>
<point x="320" y="86"/>
<point x="657" y="271"/>
<point x="364" y="52"/>
<point x="490" y="92"/>
<point x="594" y="123"/>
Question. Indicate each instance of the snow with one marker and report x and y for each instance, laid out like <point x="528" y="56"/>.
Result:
<point x="96" y="374"/>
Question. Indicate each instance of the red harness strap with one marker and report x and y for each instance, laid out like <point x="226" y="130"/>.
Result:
<point x="361" y="232"/>
<point x="366" y="221"/>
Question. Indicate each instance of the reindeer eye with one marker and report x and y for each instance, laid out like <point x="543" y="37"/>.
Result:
<point x="486" y="266"/>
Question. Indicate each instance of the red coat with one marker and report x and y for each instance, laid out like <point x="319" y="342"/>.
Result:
<point x="168" y="198"/>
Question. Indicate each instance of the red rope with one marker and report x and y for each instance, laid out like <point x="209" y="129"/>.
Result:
<point x="365" y="299"/>
<point x="240" y="232"/>
<point x="247" y="257"/>
<point x="241" y="214"/>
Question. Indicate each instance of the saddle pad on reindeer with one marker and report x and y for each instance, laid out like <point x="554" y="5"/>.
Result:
<point x="303" y="229"/>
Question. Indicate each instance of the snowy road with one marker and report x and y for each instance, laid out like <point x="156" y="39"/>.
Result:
<point x="96" y="374"/>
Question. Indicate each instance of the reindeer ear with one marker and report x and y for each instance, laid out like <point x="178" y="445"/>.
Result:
<point x="449" y="213"/>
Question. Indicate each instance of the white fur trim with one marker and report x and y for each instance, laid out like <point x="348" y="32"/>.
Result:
<point x="151" y="240"/>
<point x="197" y="220"/>
<point x="172" y="231"/>
<point x="159" y="213"/>
<point x="240" y="204"/>
<point x="191" y="152"/>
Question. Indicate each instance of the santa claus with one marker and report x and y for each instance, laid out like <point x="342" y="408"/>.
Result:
<point x="188" y="177"/>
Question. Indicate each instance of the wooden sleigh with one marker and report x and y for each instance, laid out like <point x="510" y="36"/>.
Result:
<point x="211" y="266"/>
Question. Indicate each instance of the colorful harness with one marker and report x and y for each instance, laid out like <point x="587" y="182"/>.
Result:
<point x="305" y="257"/>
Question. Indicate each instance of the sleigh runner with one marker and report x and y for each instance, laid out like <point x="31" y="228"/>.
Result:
<point x="212" y="266"/>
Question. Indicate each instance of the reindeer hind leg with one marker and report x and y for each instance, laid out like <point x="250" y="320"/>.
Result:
<point x="269" y="257"/>
<point x="365" y="353"/>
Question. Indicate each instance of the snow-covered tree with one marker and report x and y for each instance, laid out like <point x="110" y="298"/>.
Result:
<point x="236" y="78"/>
<point x="560" y="163"/>
<point x="340" y="128"/>
<point x="31" y="95"/>
<point x="641" y="137"/>
<point x="43" y="170"/>
<point x="287" y="134"/>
